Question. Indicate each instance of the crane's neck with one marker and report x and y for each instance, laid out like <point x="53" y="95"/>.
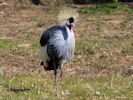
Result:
<point x="70" y="33"/>
<point x="70" y="27"/>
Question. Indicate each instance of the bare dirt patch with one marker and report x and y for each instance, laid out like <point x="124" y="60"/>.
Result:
<point x="27" y="24"/>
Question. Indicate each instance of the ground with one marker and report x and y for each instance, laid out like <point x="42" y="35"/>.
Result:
<point x="99" y="70"/>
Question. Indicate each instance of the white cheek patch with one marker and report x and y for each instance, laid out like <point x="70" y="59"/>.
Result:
<point x="67" y="23"/>
<point x="72" y="24"/>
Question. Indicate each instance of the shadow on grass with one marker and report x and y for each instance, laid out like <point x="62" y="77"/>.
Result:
<point x="19" y="89"/>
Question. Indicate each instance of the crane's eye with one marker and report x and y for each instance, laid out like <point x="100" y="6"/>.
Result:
<point x="71" y="20"/>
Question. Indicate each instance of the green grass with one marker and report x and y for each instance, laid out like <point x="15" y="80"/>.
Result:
<point x="128" y="49"/>
<point x="128" y="24"/>
<point x="8" y="44"/>
<point x="107" y="9"/>
<point x="14" y="45"/>
<point x="26" y="31"/>
<point x="89" y="45"/>
<point x="71" y="87"/>
<point x="35" y="45"/>
<point x="98" y="64"/>
<point x="5" y="43"/>
<point x="104" y="51"/>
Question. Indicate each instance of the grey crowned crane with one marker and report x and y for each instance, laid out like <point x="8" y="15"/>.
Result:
<point x="58" y="43"/>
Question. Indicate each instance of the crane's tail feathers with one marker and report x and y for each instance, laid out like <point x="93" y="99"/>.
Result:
<point x="50" y="65"/>
<point x="66" y="13"/>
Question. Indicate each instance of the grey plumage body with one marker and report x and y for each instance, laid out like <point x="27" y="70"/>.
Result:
<point x="60" y="42"/>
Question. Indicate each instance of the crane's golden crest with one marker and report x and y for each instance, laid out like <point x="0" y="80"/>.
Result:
<point x="66" y="13"/>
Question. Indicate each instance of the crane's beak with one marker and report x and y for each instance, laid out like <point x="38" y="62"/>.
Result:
<point x="72" y="24"/>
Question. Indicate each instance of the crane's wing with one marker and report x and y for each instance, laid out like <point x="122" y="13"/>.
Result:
<point x="51" y="40"/>
<point x="49" y="34"/>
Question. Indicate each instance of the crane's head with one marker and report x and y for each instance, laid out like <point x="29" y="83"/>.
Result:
<point x="67" y="17"/>
<point x="70" y="22"/>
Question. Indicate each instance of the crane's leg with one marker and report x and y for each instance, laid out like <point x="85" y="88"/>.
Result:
<point x="61" y="68"/>
<point x="56" y="73"/>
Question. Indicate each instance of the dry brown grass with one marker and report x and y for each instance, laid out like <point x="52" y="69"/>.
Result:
<point x="104" y="42"/>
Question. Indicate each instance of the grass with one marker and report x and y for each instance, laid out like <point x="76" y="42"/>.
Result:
<point x="6" y="44"/>
<point x="9" y="45"/>
<point x="94" y="44"/>
<point x="26" y="31"/>
<point x="71" y="88"/>
<point x="104" y="47"/>
<point x="126" y="24"/>
<point x="107" y="9"/>
<point x="36" y="45"/>
<point x="89" y="45"/>
<point x="104" y="51"/>
<point x="128" y="50"/>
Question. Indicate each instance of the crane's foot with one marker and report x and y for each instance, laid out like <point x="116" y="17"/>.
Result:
<point x="41" y="63"/>
<point x="58" y="95"/>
